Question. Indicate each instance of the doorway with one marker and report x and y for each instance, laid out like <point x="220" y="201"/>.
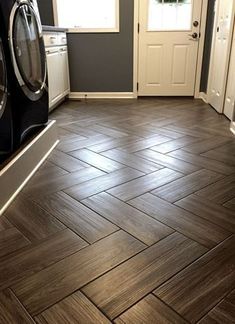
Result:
<point x="169" y="37"/>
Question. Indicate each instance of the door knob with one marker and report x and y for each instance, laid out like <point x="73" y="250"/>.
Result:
<point x="194" y="35"/>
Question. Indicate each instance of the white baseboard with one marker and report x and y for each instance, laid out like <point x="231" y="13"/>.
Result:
<point x="102" y="95"/>
<point x="15" y="175"/>
<point x="203" y="96"/>
<point x="232" y="127"/>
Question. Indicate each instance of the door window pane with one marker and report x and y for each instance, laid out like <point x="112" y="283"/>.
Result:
<point x="29" y="48"/>
<point x="169" y="15"/>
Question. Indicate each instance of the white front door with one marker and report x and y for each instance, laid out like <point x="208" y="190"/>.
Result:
<point x="168" y="47"/>
<point x="229" y="105"/>
<point x="220" y="53"/>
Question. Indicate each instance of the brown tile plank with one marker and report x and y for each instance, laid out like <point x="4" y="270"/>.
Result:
<point x="103" y="183"/>
<point x="207" y="144"/>
<point x="168" y="161"/>
<point x="47" y="186"/>
<point x="209" y="210"/>
<point x="123" y="286"/>
<point x="224" y="312"/>
<point x="66" y="161"/>
<point x="144" y="184"/>
<point x="174" y="144"/>
<point x="224" y="157"/>
<point x="221" y="191"/>
<point x="230" y="204"/>
<point x="11" y="240"/>
<point x="72" y="310"/>
<point x="11" y="311"/>
<point x="132" y="161"/>
<point x="203" y="162"/>
<point x="80" y="219"/>
<point x="31" y="220"/>
<point x="96" y="160"/>
<point x="197" y="228"/>
<point x="150" y="310"/>
<point x="138" y="224"/>
<point x="56" y="282"/>
<point x="198" y="288"/>
<point x="187" y="185"/>
<point x="36" y="257"/>
<point x="4" y="223"/>
<point x="145" y="143"/>
<point x="111" y="144"/>
<point x="112" y="132"/>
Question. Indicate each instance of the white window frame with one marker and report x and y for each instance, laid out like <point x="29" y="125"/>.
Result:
<point x="90" y="30"/>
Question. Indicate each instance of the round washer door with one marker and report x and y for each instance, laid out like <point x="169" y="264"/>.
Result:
<point x="3" y="81"/>
<point x="28" y="51"/>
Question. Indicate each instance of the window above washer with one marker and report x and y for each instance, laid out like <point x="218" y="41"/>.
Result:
<point x="87" y="16"/>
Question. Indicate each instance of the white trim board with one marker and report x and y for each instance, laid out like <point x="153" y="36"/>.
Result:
<point x="232" y="127"/>
<point x="102" y="95"/>
<point x="15" y="175"/>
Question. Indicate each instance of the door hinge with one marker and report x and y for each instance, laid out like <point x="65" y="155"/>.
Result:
<point x="137" y="86"/>
<point x="138" y="28"/>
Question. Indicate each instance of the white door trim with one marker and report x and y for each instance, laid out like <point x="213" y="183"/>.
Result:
<point x="136" y="47"/>
<point x="228" y="54"/>
<point x="201" y="47"/>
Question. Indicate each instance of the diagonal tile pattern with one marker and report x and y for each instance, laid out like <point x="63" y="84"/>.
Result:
<point x="130" y="220"/>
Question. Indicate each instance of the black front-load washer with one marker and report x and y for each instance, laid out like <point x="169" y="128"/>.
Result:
<point x="6" y="129"/>
<point x="27" y="77"/>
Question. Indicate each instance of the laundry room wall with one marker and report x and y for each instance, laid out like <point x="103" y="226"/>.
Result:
<point x="46" y="12"/>
<point x="100" y="62"/>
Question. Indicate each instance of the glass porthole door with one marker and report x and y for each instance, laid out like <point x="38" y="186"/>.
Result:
<point x="28" y="50"/>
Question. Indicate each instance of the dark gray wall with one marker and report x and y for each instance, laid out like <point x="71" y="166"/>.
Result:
<point x="104" y="62"/>
<point x="207" y="48"/>
<point x="46" y="12"/>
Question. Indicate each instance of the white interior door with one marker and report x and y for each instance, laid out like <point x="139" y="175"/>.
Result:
<point x="229" y="105"/>
<point x="220" y="53"/>
<point x="168" y="47"/>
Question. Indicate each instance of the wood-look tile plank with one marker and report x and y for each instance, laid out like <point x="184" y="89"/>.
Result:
<point x="56" y="282"/>
<point x="73" y="145"/>
<point x="207" y="144"/>
<point x="168" y="161"/>
<point x="66" y="161"/>
<point x="197" y="228"/>
<point x="219" y="155"/>
<point x="109" y="131"/>
<point x="11" y="240"/>
<point x="144" y="184"/>
<point x="174" y="144"/>
<point x="224" y="312"/>
<point x="103" y="183"/>
<point x="72" y="310"/>
<point x="220" y="192"/>
<point x="82" y="131"/>
<point x="132" y="161"/>
<point x="80" y="219"/>
<point x="128" y="218"/>
<point x="150" y="310"/>
<point x="145" y="143"/>
<point x="203" y="162"/>
<point x="96" y="160"/>
<point x="209" y="210"/>
<point x="38" y="256"/>
<point x="111" y="144"/>
<point x="11" y="311"/>
<point x="4" y="223"/>
<point x="187" y="185"/>
<point x="198" y="288"/>
<point x="230" y="204"/>
<point x="31" y="220"/>
<point x="123" y="286"/>
<point x="48" y="186"/>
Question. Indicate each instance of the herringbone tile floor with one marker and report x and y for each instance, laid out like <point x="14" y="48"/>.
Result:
<point x="130" y="220"/>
